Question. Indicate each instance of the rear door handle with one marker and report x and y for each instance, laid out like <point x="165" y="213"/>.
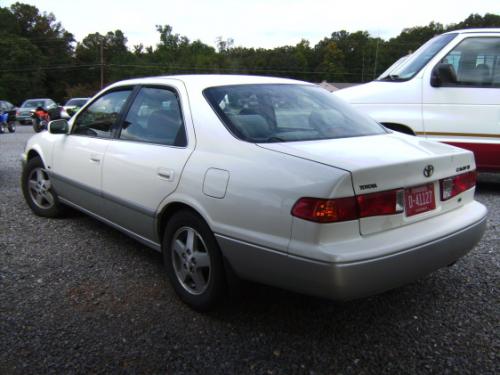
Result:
<point x="166" y="174"/>
<point x="96" y="158"/>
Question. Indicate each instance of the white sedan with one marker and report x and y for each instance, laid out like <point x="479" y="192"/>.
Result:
<point x="272" y="180"/>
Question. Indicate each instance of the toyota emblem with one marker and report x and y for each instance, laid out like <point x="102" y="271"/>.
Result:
<point x="428" y="170"/>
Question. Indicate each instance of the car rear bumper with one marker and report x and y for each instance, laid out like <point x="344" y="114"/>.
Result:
<point x="351" y="279"/>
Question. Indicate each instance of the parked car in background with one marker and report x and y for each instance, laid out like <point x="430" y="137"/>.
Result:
<point x="27" y="109"/>
<point x="273" y="180"/>
<point x="7" y="117"/>
<point x="73" y="105"/>
<point x="448" y="90"/>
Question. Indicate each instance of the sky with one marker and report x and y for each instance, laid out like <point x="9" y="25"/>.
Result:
<point x="254" y="23"/>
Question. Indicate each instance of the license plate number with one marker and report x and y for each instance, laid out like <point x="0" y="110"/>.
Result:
<point x="419" y="199"/>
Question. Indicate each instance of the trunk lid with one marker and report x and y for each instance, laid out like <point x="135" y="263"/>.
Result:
<point x="385" y="162"/>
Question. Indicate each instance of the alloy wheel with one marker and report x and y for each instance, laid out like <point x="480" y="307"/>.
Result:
<point x="39" y="188"/>
<point x="191" y="260"/>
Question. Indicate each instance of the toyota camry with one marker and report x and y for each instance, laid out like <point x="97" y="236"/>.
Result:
<point x="271" y="180"/>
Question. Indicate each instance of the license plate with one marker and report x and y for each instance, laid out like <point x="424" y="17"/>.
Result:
<point x="419" y="199"/>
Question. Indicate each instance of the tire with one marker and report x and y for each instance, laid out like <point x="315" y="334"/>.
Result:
<point x="11" y="126"/>
<point x="38" y="191"/>
<point x="37" y="126"/>
<point x="193" y="261"/>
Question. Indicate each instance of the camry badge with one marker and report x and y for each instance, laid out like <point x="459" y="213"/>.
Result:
<point x="428" y="170"/>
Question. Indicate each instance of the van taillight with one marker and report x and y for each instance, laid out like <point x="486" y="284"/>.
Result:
<point x="455" y="185"/>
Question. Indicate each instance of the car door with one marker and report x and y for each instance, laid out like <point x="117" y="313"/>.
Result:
<point x="77" y="158"/>
<point x="144" y="164"/>
<point x="466" y="112"/>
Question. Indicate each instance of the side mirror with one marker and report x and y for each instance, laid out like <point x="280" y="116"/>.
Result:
<point x="443" y="74"/>
<point x="58" y="127"/>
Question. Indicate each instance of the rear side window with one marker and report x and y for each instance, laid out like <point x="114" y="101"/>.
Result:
<point x="287" y="112"/>
<point x="98" y="119"/>
<point x="155" y="117"/>
<point x="476" y="62"/>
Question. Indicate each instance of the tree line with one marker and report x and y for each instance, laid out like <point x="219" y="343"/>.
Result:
<point x="42" y="59"/>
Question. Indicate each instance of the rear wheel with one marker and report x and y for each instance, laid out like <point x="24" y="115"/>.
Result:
<point x="38" y="191"/>
<point x="3" y="127"/>
<point x="37" y="125"/>
<point x="193" y="261"/>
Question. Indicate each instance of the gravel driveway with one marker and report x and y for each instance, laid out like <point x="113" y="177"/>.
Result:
<point x="79" y="297"/>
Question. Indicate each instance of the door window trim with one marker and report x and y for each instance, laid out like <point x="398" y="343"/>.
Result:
<point x="117" y="124"/>
<point x="128" y="106"/>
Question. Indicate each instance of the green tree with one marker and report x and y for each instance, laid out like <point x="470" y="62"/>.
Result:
<point x="52" y="40"/>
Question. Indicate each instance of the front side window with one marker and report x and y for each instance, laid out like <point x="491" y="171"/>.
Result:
<point x="476" y="62"/>
<point x="155" y="117"/>
<point x="287" y="112"/>
<point x="98" y="119"/>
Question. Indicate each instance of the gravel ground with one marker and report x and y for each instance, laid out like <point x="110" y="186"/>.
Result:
<point x="79" y="297"/>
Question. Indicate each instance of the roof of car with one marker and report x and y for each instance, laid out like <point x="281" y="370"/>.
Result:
<point x="210" y="80"/>
<point x="474" y="31"/>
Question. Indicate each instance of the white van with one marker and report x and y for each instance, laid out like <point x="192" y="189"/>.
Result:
<point x="448" y="90"/>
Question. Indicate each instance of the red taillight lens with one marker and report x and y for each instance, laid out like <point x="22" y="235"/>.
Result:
<point x="384" y="203"/>
<point x="326" y="210"/>
<point x="350" y="208"/>
<point x="455" y="185"/>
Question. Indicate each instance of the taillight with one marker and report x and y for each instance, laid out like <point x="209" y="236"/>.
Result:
<point x="350" y="208"/>
<point x="326" y="210"/>
<point x="455" y="185"/>
<point x="383" y="203"/>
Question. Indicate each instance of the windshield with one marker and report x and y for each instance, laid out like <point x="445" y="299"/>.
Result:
<point x="416" y="61"/>
<point x="33" y="104"/>
<point x="393" y="67"/>
<point x="76" y="102"/>
<point x="285" y="112"/>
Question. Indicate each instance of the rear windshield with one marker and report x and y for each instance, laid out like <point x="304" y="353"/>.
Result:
<point x="76" y="102"/>
<point x="262" y="113"/>
<point x="33" y="103"/>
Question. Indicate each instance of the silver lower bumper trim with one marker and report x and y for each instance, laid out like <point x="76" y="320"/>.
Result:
<point x="342" y="281"/>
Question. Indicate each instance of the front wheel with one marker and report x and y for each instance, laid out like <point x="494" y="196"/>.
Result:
<point x="193" y="261"/>
<point x="11" y="126"/>
<point x="3" y="127"/>
<point x="38" y="191"/>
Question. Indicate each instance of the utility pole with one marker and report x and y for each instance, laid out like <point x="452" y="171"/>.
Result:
<point x="102" y="64"/>
<point x="375" y="66"/>
<point x="363" y="68"/>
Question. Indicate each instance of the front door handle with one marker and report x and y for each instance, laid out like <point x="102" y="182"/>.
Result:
<point x="166" y="174"/>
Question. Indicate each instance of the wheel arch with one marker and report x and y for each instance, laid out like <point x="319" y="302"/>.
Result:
<point x="35" y="152"/>
<point x="173" y="207"/>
